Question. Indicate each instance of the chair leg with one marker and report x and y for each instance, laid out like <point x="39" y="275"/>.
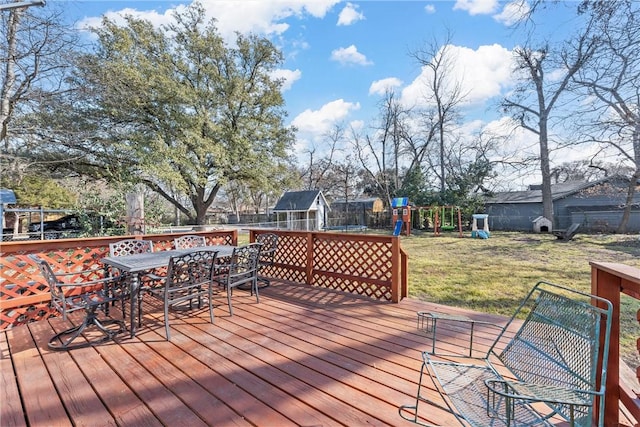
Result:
<point x="255" y="288"/>
<point x="166" y="319"/>
<point x="410" y="412"/>
<point x="229" y="300"/>
<point x="211" y="317"/>
<point x="264" y="280"/>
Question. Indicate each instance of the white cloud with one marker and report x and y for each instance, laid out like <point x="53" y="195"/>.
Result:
<point x="350" y="14"/>
<point x="289" y="77"/>
<point x="512" y="12"/>
<point x="476" y="7"/>
<point x="118" y="17"/>
<point x="313" y="125"/>
<point x="380" y="87"/>
<point x="357" y="125"/>
<point x="349" y="55"/>
<point x="483" y="74"/>
<point x="430" y="9"/>
<point x="318" y="122"/>
<point x="260" y="17"/>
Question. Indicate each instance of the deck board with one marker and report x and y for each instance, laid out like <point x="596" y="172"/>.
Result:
<point x="42" y="404"/>
<point x="10" y="407"/>
<point x="302" y="356"/>
<point x="76" y="392"/>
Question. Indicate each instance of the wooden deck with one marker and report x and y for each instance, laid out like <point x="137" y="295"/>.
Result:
<point x="303" y="356"/>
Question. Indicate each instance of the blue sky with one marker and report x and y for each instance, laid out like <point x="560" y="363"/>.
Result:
<point x="340" y="56"/>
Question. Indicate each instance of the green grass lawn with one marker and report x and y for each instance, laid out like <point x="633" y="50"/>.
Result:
<point x="494" y="275"/>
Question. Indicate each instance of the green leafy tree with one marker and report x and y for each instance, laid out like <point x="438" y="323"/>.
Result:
<point x="174" y="108"/>
<point x="33" y="191"/>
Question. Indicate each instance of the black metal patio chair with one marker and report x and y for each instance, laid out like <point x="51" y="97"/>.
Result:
<point x="242" y="269"/>
<point x="548" y="361"/>
<point x="84" y="290"/>
<point x="189" y="277"/>
<point x="147" y="280"/>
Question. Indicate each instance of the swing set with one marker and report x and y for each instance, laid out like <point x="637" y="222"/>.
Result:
<point x="441" y="218"/>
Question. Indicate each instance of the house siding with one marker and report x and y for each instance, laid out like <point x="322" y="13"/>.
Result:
<point x="513" y="216"/>
<point x="598" y="208"/>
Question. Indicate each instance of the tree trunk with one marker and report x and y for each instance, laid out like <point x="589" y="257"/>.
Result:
<point x="545" y="169"/>
<point x="631" y="191"/>
<point x="135" y="212"/>
<point x="9" y="75"/>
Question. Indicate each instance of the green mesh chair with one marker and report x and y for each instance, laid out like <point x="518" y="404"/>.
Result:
<point x="546" y="362"/>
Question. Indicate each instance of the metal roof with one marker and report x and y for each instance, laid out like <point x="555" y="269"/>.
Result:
<point x="558" y="191"/>
<point x="299" y="200"/>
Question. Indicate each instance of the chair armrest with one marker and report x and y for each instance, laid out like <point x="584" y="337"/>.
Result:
<point x="104" y="281"/>
<point x="79" y="273"/>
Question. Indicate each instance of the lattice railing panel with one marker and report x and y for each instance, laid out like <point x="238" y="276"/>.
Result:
<point x="25" y="314"/>
<point x="290" y="260"/>
<point x="354" y="258"/>
<point x="360" y="264"/>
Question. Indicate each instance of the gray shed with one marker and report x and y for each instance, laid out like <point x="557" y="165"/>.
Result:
<point x="301" y="210"/>
<point x="597" y="206"/>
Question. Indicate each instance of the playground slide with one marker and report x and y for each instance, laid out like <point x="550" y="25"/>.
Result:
<point x="398" y="228"/>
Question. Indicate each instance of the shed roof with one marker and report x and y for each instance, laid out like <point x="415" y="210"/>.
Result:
<point x="534" y="194"/>
<point x="299" y="200"/>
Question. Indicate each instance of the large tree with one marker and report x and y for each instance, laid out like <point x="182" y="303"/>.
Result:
<point x="443" y="95"/>
<point x="35" y="51"/>
<point x="611" y="114"/>
<point x="392" y="150"/>
<point x="546" y="71"/>
<point x="175" y="108"/>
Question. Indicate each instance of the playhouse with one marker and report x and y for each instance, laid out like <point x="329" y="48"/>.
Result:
<point x="484" y="232"/>
<point x="401" y="217"/>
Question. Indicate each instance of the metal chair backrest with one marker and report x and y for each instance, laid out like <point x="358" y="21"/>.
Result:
<point x="244" y="261"/>
<point x="188" y="271"/>
<point x="57" y="296"/>
<point x="269" y="245"/>
<point x="189" y="241"/>
<point x="66" y="304"/>
<point x="130" y="247"/>
<point x="558" y="342"/>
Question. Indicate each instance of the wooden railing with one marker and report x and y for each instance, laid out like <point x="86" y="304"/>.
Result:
<point x="374" y="266"/>
<point x="371" y="265"/>
<point x="610" y="281"/>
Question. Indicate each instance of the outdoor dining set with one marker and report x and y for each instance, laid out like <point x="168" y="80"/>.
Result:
<point x="182" y="278"/>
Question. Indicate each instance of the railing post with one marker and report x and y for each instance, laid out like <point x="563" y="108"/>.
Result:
<point x="309" y="265"/>
<point x="607" y="285"/>
<point x="610" y="280"/>
<point x="405" y="273"/>
<point x="395" y="269"/>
